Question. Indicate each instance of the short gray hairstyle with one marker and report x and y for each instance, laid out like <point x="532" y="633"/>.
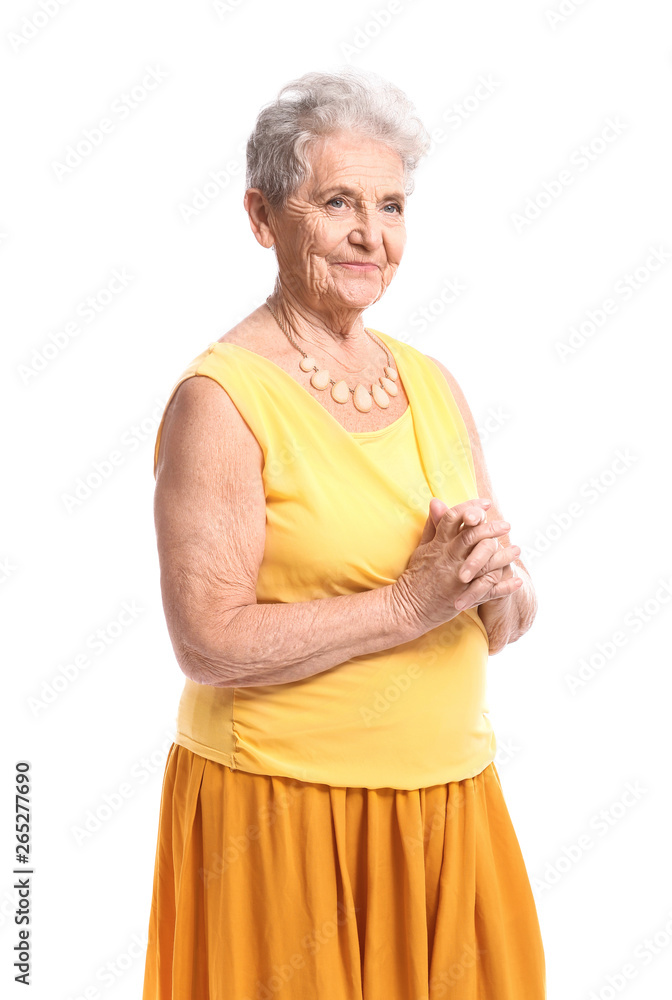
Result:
<point x="317" y="104"/>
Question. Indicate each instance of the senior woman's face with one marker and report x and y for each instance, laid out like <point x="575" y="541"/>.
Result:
<point x="341" y="236"/>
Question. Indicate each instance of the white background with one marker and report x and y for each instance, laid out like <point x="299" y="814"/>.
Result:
<point x="551" y="424"/>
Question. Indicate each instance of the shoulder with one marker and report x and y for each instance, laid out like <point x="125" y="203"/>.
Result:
<point x="200" y="421"/>
<point x="252" y="332"/>
<point x="455" y="389"/>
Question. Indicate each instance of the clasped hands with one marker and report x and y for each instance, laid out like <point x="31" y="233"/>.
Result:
<point x="475" y="543"/>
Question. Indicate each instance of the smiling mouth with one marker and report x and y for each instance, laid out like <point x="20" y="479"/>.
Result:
<point x="357" y="264"/>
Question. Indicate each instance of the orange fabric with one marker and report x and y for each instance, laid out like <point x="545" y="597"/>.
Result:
<point x="269" y="888"/>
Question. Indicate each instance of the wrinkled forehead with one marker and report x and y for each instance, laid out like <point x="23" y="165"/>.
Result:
<point x="353" y="164"/>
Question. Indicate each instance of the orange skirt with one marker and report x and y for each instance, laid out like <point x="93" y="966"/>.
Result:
<point x="268" y="888"/>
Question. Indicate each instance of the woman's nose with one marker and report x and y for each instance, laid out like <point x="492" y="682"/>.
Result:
<point x="368" y="229"/>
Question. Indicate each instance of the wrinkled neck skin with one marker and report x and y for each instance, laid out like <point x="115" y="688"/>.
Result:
<point x="336" y="331"/>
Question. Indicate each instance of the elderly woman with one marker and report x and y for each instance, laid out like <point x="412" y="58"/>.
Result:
<point x="335" y="572"/>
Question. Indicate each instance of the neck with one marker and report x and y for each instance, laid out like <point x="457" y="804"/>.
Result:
<point x="337" y="331"/>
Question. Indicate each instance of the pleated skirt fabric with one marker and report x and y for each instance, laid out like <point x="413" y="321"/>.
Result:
<point x="268" y="888"/>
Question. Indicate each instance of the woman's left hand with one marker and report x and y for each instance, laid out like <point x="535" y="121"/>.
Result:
<point x="471" y="517"/>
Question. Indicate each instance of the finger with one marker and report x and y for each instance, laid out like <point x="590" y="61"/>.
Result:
<point x="450" y="520"/>
<point x="475" y="515"/>
<point x="465" y="540"/>
<point x="504" y="588"/>
<point x="482" y="590"/>
<point x="428" y="531"/>
<point x="478" y="561"/>
<point x="437" y="509"/>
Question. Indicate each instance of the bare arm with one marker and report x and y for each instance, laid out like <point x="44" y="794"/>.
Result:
<point x="210" y="516"/>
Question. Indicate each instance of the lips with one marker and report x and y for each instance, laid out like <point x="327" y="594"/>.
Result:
<point x="356" y="263"/>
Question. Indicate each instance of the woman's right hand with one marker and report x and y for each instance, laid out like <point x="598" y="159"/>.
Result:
<point x="430" y="584"/>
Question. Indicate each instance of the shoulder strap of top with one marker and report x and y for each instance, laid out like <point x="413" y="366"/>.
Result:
<point x="437" y="410"/>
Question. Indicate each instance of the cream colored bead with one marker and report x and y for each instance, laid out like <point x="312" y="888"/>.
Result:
<point x="340" y="391"/>
<point x="389" y="386"/>
<point x="307" y="364"/>
<point x="391" y="372"/>
<point x="320" y="380"/>
<point x="362" y="399"/>
<point x="380" y="397"/>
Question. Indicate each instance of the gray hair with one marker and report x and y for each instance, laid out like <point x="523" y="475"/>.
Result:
<point x="317" y="104"/>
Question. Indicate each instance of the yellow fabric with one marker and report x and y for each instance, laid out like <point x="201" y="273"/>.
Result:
<point x="344" y="512"/>
<point x="269" y="889"/>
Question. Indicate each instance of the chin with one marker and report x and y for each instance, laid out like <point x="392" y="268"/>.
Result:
<point x="359" y="297"/>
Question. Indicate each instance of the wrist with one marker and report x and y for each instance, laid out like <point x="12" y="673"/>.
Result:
<point x="408" y="612"/>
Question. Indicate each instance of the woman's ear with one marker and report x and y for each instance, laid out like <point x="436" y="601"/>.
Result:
<point x="258" y="210"/>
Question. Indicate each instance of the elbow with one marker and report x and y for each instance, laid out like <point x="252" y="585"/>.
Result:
<point x="203" y="669"/>
<point x="527" y="611"/>
<point x="500" y="640"/>
<point x="500" y="635"/>
<point x="215" y="656"/>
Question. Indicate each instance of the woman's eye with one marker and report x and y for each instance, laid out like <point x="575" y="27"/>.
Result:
<point x="331" y="202"/>
<point x="393" y="204"/>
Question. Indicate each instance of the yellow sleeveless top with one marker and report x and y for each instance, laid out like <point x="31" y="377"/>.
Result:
<point x="344" y="512"/>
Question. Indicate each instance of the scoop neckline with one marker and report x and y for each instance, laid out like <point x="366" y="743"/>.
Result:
<point x="354" y="434"/>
